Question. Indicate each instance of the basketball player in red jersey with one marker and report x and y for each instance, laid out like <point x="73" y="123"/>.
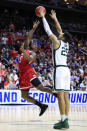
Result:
<point x="27" y="75"/>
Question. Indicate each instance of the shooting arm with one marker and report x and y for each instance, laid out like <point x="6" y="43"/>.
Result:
<point x="30" y="34"/>
<point x="47" y="29"/>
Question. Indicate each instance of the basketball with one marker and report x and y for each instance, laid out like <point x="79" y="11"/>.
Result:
<point x="38" y="9"/>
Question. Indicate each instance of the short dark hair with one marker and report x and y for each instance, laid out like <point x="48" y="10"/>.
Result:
<point x="67" y="36"/>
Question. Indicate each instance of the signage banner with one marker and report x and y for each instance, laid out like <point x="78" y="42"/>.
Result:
<point x="15" y="97"/>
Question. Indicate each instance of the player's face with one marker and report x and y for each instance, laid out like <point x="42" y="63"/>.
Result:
<point x="34" y="47"/>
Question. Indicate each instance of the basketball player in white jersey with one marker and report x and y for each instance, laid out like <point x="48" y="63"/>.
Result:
<point x="61" y="71"/>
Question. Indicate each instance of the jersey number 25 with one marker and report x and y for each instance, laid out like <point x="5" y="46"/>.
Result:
<point x="64" y="51"/>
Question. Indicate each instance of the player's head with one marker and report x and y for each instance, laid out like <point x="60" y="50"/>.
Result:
<point x="65" y="37"/>
<point x="20" y="45"/>
<point x="33" y="46"/>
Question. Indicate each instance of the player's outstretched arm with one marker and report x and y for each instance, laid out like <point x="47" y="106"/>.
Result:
<point x="54" y="17"/>
<point x="30" y="34"/>
<point x="47" y="29"/>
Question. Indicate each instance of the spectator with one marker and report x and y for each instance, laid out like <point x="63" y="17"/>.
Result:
<point x="14" y="53"/>
<point x="4" y="41"/>
<point x="83" y="85"/>
<point x="3" y="74"/>
<point x="45" y="82"/>
<point x="10" y="84"/>
<point x="85" y="71"/>
<point x="15" y="77"/>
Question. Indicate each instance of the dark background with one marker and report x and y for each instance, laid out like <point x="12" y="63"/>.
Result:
<point x="72" y="17"/>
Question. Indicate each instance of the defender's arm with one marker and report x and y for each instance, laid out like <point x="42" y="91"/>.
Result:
<point x="58" y="27"/>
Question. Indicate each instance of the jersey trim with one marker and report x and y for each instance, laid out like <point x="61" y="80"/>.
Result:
<point x="58" y="47"/>
<point x="54" y="52"/>
<point x="66" y="90"/>
<point x="60" y="66"/>
<point x="33" y="78"/>
<point x="54" y="58"/>
<point x="21" y="88"/>
<point x="61" y="90"/>
<point x="54" y="79"/>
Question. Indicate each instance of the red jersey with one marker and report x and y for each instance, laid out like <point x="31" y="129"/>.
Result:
<point x="24" y="64"/>
<point x="26" y="72"/>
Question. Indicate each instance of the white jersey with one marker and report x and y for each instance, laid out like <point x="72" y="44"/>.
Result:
<point x="61" y="71"/>
<point x="60" y="54"/>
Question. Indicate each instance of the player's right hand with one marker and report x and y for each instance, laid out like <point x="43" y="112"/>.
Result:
<point x="41" y="13"/>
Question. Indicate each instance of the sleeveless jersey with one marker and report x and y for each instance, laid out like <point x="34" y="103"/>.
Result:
<point x="60" y="54"/>
<point x="24" y="64"/>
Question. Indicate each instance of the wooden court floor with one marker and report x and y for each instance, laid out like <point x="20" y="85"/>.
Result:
<point x="26" y="118"/>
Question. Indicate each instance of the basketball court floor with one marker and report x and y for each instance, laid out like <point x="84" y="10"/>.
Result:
<point x="26" y="118"/>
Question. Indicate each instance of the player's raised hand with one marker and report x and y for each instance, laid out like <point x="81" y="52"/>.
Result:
<point x="53" y="14"/>
<point x="42" y="13"/>
<point x="35" y="24"/>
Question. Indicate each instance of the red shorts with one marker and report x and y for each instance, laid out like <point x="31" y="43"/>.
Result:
<point x="25" y="79"/>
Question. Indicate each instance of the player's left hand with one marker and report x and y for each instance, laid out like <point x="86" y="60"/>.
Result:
<point x="53" y="14"/>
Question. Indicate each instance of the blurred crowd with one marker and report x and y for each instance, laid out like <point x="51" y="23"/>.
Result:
<point x="74" y="23"/>
<point x="9" y="77"/>
<point x="74" y="4"/>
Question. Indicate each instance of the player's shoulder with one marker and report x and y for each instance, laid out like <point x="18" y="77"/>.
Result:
<point x="58" y="45"/>
<point x="28" y="51"/>
<point x="63" y="42"/>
